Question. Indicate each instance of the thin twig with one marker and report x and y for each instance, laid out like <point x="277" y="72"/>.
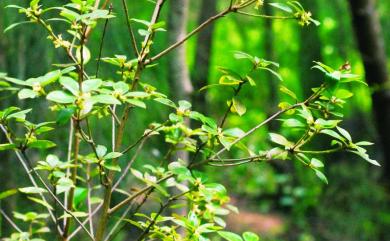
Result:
<point x="101" y="43"/>
<point x="10" y="221"/>
<point x="130" y="29"/>
<point x="189" y="35"/>
<point x="251" y="131"/>
<point x="53" y="195"/>
<point x="30" y="176"/>
<point x="126" y="170"/>
<point x="135" y="195"/>
<point x="266" y="16"/>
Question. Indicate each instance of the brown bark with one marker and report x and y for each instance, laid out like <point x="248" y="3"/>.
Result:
<point x="371" y="45"/>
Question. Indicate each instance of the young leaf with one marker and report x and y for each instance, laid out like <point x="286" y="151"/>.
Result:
<point x="61" y="97"/>
<point x="279" y="139"/>
<point x="27" y="93"/>
<point x="4" y="147"/>
<point x="321" y="176"/>
<point x="41" y="144"/>
<point x="229" y="236"/>
<point x="8" y="193"/>
<point x="32" y="190"/>
<point x="101" y="151"/>
<point x="41" y="202"/>
<point x="249" y="236"/>
<point x="238" y="107"/>
<point x="105" y="99"/>
<point x="112" y="155"/>
<point x="91" y="85"/>
<point x="282" y="7"/>
<point x="70" y="84"/>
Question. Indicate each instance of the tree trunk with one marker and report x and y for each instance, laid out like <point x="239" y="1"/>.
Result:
<point x="201" y="71"/>
<point x="178" y="68"/>
<point x="179" y="77"/>
<point x="371" y="45"/>
<point x="310" y="51"/>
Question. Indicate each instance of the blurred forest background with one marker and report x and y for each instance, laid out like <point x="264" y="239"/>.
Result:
<point x="279" y="201"/>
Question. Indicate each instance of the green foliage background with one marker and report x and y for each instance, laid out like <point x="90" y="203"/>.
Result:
<point x="353" y="207"/>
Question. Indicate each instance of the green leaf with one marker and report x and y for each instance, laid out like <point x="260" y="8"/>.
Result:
<point x="39" y="201"/>
<point x="293" y="123"/>
<point x="7" y="146"/>
<point x="315" y="163"/>
<point x="333" y="134"/>
<point x="86" y="54"/>
<point x="91" y="85"/>
<point x="229" y="80"/>
<point x="137" y="94"/>
<point x="27" y="93"/>
<point x="279" y="139"/>
<point x="34" y="3"/>
<point x="61" y="97"/>
<point x="277" y="75"/>
<point x="70" y="84"/>
<point x="144" y="22"/>
<point x="64" y="184"/>
<point x="49" y="77"/>
<point x="69" y="14"/>
<point x="111" y="166"/>
<point x="366" y="157"/>
<point x="80" y="195"/>
<point x="20" y="115"/>
<point x="41" y="144"/>
<point x="251" y="81"/>
<point x="135" y="102"/>
<point x="282" y="7"/>
<point x="101" y="151"/>
<point x="343" y="94"/>
<point x="344" y="133"/>
<point x="16" y="81"/>
<point x="288" y="92"/>
<point x="226" y="141"/>
<point x="321" y="176"/>
<point x="112" y="155"/>
<point x="238" y="107"/>
<point x="31" y="190"/>
<point x="167" y="102"/>
<point x="8" y="193"/>
<point x="211" y="86"/>
<point x="229" y="236"/>
<point x="179" y="169"/>
<point x="243" y="55"/>
<point x="249" y="236"/>
<point x="364" y="143"/>
<point x="15" y="25"/>
<point x="64" y="115"/>
<point x="105" y="99"/>
<point x="121" y="87"/>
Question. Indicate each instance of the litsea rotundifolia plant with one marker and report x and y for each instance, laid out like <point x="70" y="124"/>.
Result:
<point x="78" y="189"/>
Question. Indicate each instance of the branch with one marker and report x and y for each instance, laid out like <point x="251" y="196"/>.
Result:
<point x="135" y="195"/>
<point x="30" y="176"/>
<point x="266" y="16"/>
<point x="130" y="29"/>
<point x="101" y="43"/>
<point x="189" y="35"/>
<point x="55" y="197"/>
<point x="269" y="119"/>
<point x="10" y="221"/>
